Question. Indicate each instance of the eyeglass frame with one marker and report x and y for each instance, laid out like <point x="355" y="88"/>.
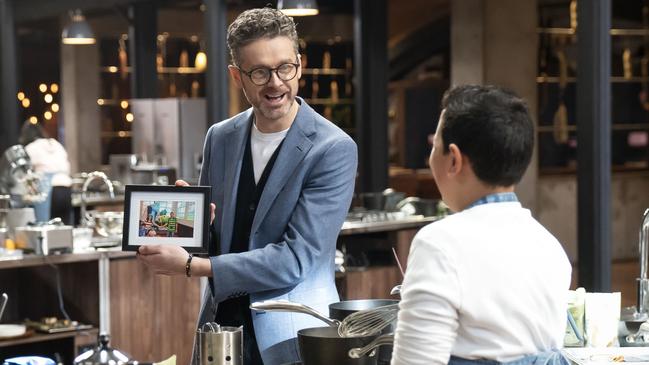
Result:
<point x="270" y="71"/>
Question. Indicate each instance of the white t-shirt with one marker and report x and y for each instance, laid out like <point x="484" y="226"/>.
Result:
<point x="486" y="283"/>
<point x="49" y="156"/>
<point x="262" y="146"/>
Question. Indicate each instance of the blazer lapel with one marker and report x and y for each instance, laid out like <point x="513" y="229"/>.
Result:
<point x="296" y="145"/>
<point x="235" y="141"/>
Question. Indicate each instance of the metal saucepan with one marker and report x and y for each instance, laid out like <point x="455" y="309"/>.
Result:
<point x="321" y="345"/>
<point x="340" y="310"/>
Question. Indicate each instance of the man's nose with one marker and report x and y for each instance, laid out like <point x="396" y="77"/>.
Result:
<point x="274" y="79"/>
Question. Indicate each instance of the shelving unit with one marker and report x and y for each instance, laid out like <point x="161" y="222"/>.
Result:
<point x="556" y="82"/>
<point x="327" y="81"/>
<point x="176" y="78"/>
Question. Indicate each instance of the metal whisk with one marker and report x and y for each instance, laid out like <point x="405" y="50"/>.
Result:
<point x="369" y="321"/>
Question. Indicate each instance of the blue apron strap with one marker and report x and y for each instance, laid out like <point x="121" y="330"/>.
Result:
<point x="552" y="357"/>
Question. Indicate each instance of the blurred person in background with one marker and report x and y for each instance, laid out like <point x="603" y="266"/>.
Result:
<point x="50" y="160"/>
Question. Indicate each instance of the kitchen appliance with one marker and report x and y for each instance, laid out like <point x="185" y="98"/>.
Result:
<point x="44" y="239"/>
<point x="170" y="132"/>
<point x="102" y="354"/>
<point x="219" y="345"/>
<point x="17" y="179"/>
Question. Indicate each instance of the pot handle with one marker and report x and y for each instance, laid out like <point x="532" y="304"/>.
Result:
<point x="383" y="340"/>
<point x="286" y="306"/>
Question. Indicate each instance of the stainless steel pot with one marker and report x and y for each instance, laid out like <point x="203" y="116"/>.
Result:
<point x="106" y="224"/>
<point x="321" y="345"/>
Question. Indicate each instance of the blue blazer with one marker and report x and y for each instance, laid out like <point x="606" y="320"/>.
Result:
<point x="293" y="236"/>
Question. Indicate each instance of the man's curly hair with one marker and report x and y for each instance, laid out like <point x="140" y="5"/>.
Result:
<point x="255" y="24"/>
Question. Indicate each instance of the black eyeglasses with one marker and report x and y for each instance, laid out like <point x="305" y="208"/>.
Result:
<point x="261" y="75"/>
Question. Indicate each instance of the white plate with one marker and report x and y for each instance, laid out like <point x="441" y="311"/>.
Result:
<point x="12" y="330"/>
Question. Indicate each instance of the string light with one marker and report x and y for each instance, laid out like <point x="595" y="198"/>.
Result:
<point x="55" y="107"/>
<point x="20" y="95"/>
<point x="129" y="117"/>
<point x="54" y="88"/>
<point x="100" y="101"/>
<point x="48" y="98"/>
<point x="42" y="88"/>
<point x="121" y="133"/>
<point x="33" y="120"/>
<point x="112" y="69"/>
<point x="26" y="103"/>
<point x="47" y="115"/>
<point x="123" y="104"/>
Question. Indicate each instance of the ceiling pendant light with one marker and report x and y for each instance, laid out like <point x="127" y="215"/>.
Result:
<point x="298" y="7"/>
<point x="78" y="30"/>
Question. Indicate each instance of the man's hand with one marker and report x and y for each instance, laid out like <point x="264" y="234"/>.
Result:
<point x="212" y="206"/>
<point x="164" y="259"/>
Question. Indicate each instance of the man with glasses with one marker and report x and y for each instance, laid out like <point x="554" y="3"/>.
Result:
<point x="282" y="178"/>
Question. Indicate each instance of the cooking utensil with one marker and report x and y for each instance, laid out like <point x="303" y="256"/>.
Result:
<point x="396" y="258"/>
<point x="219" y="345"/>
<point x="320" y="345"/>
<point x="383" y="340"/>
<point x="4" y="300"/>
<point x="343" y="309"/>
<point x="396" y="290"/>
<point x="286" y="306"/>
<point x="369" y="321"/>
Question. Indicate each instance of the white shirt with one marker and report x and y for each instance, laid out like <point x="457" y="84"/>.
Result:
<point x="262" y="146"/>
<point x="49" y="156"/>
<point x="486" y="283"/>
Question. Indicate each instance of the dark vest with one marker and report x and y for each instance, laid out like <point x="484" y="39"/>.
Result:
<point x="235" y="311"/>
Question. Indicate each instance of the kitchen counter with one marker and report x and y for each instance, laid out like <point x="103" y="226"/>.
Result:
<point x="97" y="199"/>
<point x="38" y="260"/>
<point x="350" y="228"/>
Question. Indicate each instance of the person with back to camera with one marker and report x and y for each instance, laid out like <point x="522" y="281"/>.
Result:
<point x="50" y="159"/>
<point x="282" y="179"/>
<point x="488" y="284"/>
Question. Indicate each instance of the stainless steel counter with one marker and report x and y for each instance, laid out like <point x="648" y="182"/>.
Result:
<point x="350" y="228"/>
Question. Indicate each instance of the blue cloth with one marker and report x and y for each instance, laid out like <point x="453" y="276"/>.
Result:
<point x="29" y="360"/>
<point x="293" y="235"/>
<point x="42" y="209"/>
<point x="494" y="198"/>
<point x="552" y="357"/>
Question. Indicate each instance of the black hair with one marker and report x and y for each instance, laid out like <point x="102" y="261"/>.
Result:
<point x="493" y="128"/>
<point x="30" y="132"/>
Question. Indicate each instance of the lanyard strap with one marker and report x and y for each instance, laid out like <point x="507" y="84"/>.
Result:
<point x="494" y="198"/>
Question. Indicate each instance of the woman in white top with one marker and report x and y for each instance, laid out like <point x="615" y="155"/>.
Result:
<point x="488" y="284"/>
<point x="49" y="158"/>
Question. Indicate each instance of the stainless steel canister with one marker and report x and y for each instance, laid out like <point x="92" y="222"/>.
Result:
<point x="219" y="345"/>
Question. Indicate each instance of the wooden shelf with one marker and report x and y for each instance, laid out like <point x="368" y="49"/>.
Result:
<point x="326" y="71"/>
<point x="614" y="79"/>
<point x="614" y="126"/>
<point x="194" y="70"/>
<point x="161" y="70"/>
<point x="329" y="101"/>
<point x="619" y="32"/>
<point x="41" y="337"/>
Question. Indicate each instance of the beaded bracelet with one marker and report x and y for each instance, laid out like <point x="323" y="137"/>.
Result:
<point x="188" y="266"/>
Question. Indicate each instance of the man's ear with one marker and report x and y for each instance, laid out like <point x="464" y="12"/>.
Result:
<point x="235" y="73"/>
<point x="457" y="160"/>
